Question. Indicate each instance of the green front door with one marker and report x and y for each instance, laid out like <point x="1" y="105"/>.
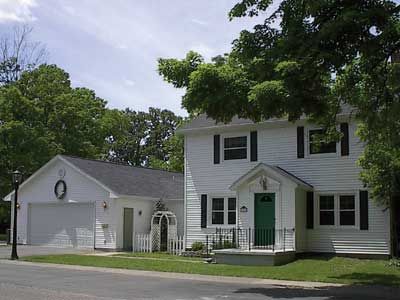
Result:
<point x="264" y="219"/>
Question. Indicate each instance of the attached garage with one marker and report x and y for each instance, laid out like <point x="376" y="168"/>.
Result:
<point x="61" y="224"/>
<point x="92" y="204"/>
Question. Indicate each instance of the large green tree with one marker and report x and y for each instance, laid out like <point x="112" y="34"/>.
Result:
<point x="41" y="115"/>
<point x="147" y="139"/>
<point x="309" y="57"/>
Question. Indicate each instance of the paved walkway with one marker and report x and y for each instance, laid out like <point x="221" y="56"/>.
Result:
<point x="27" y="250"/>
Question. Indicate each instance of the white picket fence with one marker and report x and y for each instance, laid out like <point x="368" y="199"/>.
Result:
<point x="143" y="243"/>
<point x="176" y="245"/>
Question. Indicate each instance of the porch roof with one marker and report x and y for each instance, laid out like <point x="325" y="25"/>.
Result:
<point x="274" y="171"/>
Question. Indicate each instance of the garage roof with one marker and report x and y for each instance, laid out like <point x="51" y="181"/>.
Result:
<point x="132" y="181"/>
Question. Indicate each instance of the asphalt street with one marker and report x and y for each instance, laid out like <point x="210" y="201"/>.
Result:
<point x="26" y="282"/>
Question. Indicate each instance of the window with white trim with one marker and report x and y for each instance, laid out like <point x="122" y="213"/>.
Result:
<point x="338" y="210"/>
<point x="231" y="211"/>
<point x="327" y="210"/>
<point x="317" y="147"/>
<point x="347" y="210"/>
<point x="223" y="211"/>
<point x="235" y="147"/>
<point x="217" y="214"/>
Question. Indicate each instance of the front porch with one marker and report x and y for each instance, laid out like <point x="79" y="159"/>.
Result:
<point x="253" y="246"/>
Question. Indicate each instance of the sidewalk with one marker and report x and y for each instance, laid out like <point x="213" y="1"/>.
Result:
<point x="181" y="276"/>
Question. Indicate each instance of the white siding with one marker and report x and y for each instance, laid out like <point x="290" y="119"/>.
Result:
<point x="301" y="219"/>
<point x="176" y="206"/>
<point x="277" y="146"/>
<point x="79" y="189"/>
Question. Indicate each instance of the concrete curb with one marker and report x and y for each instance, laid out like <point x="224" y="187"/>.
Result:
<point x="181" y="276"/>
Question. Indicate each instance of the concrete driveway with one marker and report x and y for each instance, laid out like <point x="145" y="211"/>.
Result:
<point x="36" y="282"/>
<point x="25" y="250"/>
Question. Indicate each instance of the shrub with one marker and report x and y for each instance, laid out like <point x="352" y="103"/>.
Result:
<point x="198" y="246"/>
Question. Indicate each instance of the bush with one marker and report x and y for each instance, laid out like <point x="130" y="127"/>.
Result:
<point x="198" y="246"/>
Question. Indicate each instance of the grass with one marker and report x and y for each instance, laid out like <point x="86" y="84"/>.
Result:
<point x="323" y="269"/>
<point x="158" y="255"/>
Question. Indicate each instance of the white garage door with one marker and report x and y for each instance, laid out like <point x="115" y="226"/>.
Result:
<point x="62" y="225"/>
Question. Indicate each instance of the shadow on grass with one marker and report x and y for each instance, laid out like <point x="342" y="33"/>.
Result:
<point x="328" y="293"/>
<point x="371" y="279"/>
<point x="316" y="256"/>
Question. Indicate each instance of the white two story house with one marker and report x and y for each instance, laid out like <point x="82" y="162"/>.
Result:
<point x="269" y="186"/>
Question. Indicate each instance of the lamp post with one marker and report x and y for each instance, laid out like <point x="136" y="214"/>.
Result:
<point x="16" y="179"/>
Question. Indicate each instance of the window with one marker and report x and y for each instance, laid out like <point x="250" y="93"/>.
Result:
<point x="347" y="214"/>
<point x="223" y="211"/>
<point x="317" y="148"/>
<point x="235" y="148"/>
<point x="327" y="210"/>
<point x="217" y="217"/>
<point x="231" y="211"/>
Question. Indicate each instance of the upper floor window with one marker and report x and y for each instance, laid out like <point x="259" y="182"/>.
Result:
<point x="235" y="147"/>
<point x="317" y="148"/>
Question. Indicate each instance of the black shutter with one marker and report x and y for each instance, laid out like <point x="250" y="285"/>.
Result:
<point x="310" y="210"/>
<point x="300" y="142"/>
<point x="364" y="210"/>
<point x="203" y="211"/>
<point x="253" y="146"/>
<point x="344" y="129"/>
<point x="217" y="151"/>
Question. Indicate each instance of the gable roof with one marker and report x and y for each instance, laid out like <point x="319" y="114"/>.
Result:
<point x="202" y="121"/>
<point x="122" y="179"/>
<point x="132" y="181"/>
<point x="273" y="170"/>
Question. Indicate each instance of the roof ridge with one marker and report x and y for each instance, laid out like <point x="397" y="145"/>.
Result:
<point x="120" y="164"/>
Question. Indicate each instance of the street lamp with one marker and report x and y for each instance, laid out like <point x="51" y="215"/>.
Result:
<point x="16" y="180"/>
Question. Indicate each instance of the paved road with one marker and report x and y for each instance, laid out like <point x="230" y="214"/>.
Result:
<point x="20" y="282"/>
<point x="27" y="250"/>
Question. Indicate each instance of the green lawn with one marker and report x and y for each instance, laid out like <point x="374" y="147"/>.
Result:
<point x="158" y="255"/>
<point x="324" y="269"/>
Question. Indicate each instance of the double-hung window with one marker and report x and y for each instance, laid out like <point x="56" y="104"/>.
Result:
<point x="327" y="210"/>
<point x="337" y="210"/>
<point x="317" y="147"/>
<point x="347" y="207"/>
<point x="217" y="215"/>
<point x="223" y="211"/>
<point x="235" y="147"/>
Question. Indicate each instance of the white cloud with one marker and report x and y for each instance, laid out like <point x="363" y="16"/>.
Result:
<point x="129" y="82"/>
<point x="199" y="22"/>
<point x="16" y="10"/>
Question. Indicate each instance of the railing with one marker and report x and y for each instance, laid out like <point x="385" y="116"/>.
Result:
<point x="176" y="245"/>
<point x="142" y="242"/>
<point x="252" y="239"/>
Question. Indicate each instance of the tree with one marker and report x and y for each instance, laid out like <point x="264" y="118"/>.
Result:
<point x="147" y="139"/>
<point x="41" y="115"/>
<point x="310" y="57"/>
<point x="18" y="53"/>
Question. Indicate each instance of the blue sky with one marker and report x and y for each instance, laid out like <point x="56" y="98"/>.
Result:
<point x="112" y="46"/>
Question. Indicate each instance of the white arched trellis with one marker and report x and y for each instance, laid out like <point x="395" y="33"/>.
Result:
<point x="157" y="220"/>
